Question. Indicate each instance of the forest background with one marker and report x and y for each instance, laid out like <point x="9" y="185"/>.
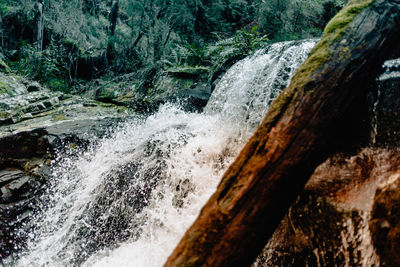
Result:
<point x="70" y="45"/>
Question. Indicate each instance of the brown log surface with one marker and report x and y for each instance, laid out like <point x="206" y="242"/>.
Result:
<point x="301" y="129"/>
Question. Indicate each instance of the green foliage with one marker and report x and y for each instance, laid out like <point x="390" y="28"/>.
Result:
<point x="288" y="19"/>
<point x="52" y="66"/>
<point x="27" y="62"/>
<point x="5" y="8"/>
<point x="4" y="67"/>
<point x="12" y="8"/>
<point x="243" y="43"/>
<point x="247" y="41"/>
<point x="149" y="34"/>
<point x="195" y="55"/>
<point x="57" y="84"/>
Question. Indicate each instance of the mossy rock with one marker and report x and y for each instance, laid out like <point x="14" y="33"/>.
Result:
<point x="192" y="94"/>
<point x="119" y="93"/>
<point x="4" y="88"/>
<point x="10" y="85"/>
<point x="106" y="93"/>
<point x="168" y="86"/>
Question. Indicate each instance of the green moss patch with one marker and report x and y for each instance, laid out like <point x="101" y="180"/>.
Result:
<point x="340" y="22"/>
<point x="59" y="117"/>
<point x="333" y="31"/>
<point x="4" y="88"/>
<point x="317" y="58"/>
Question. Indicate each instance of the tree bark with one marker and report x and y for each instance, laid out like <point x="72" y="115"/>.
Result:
<point x="110" y="53"/>
<point x="113" y="16"/>
<point x="39" y="25"/>
<point x="301" y="129"/>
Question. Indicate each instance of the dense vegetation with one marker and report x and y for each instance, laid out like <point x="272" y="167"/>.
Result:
<point x="65" y="43"/>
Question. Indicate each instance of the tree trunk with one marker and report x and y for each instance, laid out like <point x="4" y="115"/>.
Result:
<point x="301" y="129"/>
<point x="110" y="53"/>
<point x="39" y="25"/>
<point x="113" y="16"/>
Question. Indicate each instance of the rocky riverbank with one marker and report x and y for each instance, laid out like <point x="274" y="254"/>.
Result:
<point x="34" y="123"/>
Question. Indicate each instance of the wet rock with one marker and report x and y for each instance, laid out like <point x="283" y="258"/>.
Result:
<point x="145" y="92"/>
<point x="313" y="233"/>
<point x="24" y="144"/>
<point x="17" y="193"/>
<point x="388" y="106"/>
<point x="9" y="175"/>
<point x="385" y="221"/>
<point x="15" y="189"/>
<point x="337" y="221"/>
<point x="13" y="215"/>
<point x="80" y="132"/>
<point x="329" y="224"/>
<point x="34" y="123"/>
<point x="34" y="87"/>
<point x="196" y="97"/>
<point x="188" y="86"/>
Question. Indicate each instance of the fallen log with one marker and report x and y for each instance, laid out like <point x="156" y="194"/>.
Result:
<point x="301" y="129"/>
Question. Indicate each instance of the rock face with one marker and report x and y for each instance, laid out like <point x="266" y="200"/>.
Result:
<point x="330" y="222"/>
<point x="34" y="123"/>
<point x="187" y="85"/>
<point x="144" y="92"/>
<point x="388" y="105"/>
<point x="385" y="220"/>
<point x="348" y="212"/>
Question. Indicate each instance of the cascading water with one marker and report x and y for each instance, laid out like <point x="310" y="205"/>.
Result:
<point x="127" y="201"/>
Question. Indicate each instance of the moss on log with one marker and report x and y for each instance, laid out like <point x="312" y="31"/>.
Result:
<point x="301" y="129"/>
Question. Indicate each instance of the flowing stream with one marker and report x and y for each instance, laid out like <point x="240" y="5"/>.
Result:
<point x="128" y="200"/>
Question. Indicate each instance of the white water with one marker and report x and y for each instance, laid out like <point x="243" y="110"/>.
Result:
<point x="128" y="201"/>
<point x="391" y="68"/>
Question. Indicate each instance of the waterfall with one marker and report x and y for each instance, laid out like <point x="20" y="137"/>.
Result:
<point x="127" y="200"/>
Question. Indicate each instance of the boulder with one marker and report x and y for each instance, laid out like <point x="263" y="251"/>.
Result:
<point x="385" y="220"/>
<point x="146" y="91"/>
<point x="189" y="88"/>
<point x="330" y="223"/>
<point x="34" y="87"/>
<point x="17" y="191"/>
